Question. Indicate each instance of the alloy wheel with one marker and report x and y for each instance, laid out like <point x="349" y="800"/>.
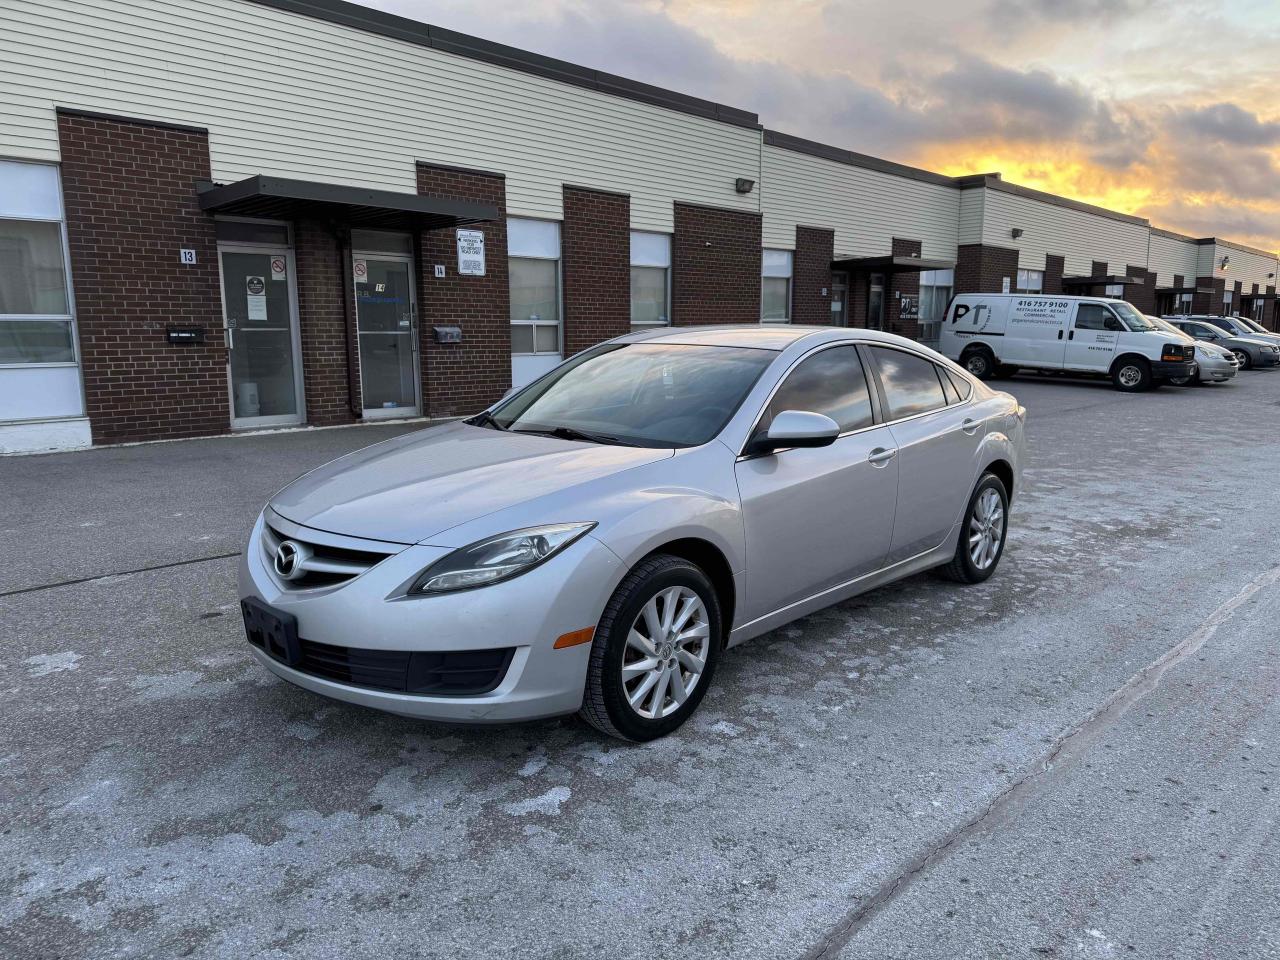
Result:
<point x="666" y="652"/>
<point x="986" y="529"/>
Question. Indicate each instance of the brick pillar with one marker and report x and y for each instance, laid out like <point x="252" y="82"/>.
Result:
<point x="715" y="266"/>
<point x="1054" y="268"/>
<point x="982" y="269"/>
<point x="130" y="194"/>
<point x="1208" y="303"/>
<point x="1271" y="312"/>
<point x="595" y="266"/>
<point x="900" y="285"/>
<point x="330" y="357"/>
<point x="1235" y="299"/>
<point x="859" y="295"/>
<point x="811" y="275"/>
<point x="1142" y="297"/>
<point x="462" y="378"/>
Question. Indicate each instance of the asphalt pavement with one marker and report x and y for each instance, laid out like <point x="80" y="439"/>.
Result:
<point x="1077" y="758"/>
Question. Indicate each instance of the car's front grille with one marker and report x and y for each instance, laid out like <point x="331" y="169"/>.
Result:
<point x="449" y="673"/>
<point x="319" y="564"/>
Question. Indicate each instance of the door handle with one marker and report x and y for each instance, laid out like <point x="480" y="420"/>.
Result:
<point x="969" y="425"/>
<point x="1059" y="334"/>
<point x="1071" y="335"/>
<point x="880" y="455"/>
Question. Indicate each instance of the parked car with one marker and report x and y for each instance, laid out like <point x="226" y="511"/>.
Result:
<point x="1237" y="327"/>
<point x="1255" y="326"/>
<point x="1213" y="363"/>
<point x="989" y="331"/>
<point x="595" y="541"/>
<point x="1250" y="351"/>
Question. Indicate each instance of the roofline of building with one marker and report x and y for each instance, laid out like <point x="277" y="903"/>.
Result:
<point x="369" y="20"/>
<point x="353" y="15"/>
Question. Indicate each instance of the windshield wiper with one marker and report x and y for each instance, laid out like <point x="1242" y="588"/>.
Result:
<point x="486" y="419"/>
<point x="573" y="433"/>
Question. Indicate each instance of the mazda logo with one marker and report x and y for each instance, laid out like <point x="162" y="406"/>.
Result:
<point x="290" y="561"/>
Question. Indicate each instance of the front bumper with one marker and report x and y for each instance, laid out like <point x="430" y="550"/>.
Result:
<point x="1168" y="369"/>
<point x="565" y="594"/>
<point x="1217" y="369"/>
<point x="1266" y="359"/>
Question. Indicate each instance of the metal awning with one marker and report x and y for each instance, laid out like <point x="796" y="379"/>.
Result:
<point x="890" y="264"/>
<point x="276" y="198"/>
<point x="1184" y="289"/>
<point x="1101" y="281"/>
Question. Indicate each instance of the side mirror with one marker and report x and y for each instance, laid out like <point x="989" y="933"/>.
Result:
<point x="797" y="428"/>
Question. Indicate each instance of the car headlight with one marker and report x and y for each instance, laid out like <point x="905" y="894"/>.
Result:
<point x="497" y="558"/>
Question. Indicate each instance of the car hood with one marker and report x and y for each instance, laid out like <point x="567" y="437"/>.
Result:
<point x="1250" y="341"/>
<point x="408" y="489"/>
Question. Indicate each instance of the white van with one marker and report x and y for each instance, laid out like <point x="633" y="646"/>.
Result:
<point x="990" y="333"/>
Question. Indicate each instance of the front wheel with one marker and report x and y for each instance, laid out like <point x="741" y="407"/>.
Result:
<point x="654" y="652"/>
<point x="1132" y="375"/>
<point x="982" y="533"/>
<point x="1185" y="381"/>
<point x="1246" y="361"/>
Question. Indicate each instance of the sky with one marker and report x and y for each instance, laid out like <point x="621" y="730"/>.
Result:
<point x="1168" y="109"/>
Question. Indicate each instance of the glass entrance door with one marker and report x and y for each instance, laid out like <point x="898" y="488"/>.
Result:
<point x="875" y="302"/>
<point x="388" y="334"/>
<point x="258" y="305"/>
<point x="839" y="300"/>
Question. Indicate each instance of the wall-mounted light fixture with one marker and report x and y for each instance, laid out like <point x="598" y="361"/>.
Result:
<point x="1223" y="263"/>
<point x="1017" y="232"/>
<point x="1271" y="276"/>
<point x="743" y="185"/>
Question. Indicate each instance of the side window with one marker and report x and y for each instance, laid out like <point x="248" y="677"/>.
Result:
<point x="963" y="387"/>
<point x="1094" y="316"/>
<point x="831" y="382"/>
<point x="1219" y="322"/>
<point x="910" y="383"/>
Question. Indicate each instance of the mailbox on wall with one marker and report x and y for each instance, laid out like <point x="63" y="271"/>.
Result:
<point x="448" y="334"/>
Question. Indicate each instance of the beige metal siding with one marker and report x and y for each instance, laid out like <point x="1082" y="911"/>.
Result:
<point x="866" y="208"/>
<point x="297" y="97"/>
<point x="971" y="204"/>
<point x="1079" y="236"/>
<point x="1244" y="265"/>
<point x="1169" y="257"/>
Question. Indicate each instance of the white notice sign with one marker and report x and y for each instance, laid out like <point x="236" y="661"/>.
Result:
<point x="471" y="253"/>
<point x="1004" y="285"/>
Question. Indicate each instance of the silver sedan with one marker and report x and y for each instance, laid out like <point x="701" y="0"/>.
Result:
<point x="598" y="540"/>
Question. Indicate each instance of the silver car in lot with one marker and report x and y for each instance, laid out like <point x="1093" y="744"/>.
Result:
<point x="1214" y="364"/>
<point x="597" y="540"/>
<point x="1251" y="351"/>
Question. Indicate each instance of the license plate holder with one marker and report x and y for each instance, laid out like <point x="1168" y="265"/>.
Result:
<point x="272" y="631"/>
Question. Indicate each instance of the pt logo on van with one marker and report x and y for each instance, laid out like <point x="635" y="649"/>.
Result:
<point x="981" y="314"/>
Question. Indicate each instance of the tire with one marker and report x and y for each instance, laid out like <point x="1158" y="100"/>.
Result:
<point x="963" y="568"/>
<point x="1006" y="371"/>
<point x="1131" y="375"/>
<point x="980" y="362"/>
<point x="607" y="701"/>
<point x="1246" y="361"/>
<point x="1191" y="381"/>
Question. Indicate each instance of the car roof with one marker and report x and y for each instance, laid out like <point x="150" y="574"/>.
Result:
<point x="762" y="337"/>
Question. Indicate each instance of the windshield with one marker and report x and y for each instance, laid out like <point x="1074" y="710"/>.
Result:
<point x="1134" y="320"/>
<point x="1167" y="327"/>
<point x="1254" y="325"/>
<point x="644" y="394"/>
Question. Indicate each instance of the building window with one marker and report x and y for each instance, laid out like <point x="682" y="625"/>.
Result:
<point x="935" y="294"/>
<point x="775" y="287"/>
<point x="1226" y="302"/>
<point x="35" y="301"/>
<point x="533" y="260"/>
<point x="650" y="279"/>
<point x="1030" y="281"/>
<point x="1183" y="304"/>
<point x="1115" y="290"/>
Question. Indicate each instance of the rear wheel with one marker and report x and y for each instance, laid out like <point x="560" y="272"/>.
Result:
<point x="654" y="652"/>
<point x="1131" y="374"/>
<point x="980" y="362"/>
<point x="982" y="533"/>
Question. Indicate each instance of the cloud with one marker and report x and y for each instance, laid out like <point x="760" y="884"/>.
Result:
<point x="1090" y="12"/>
<point x="1226" y="124"/>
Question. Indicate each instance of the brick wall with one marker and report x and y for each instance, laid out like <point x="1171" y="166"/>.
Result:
<point x="461" y="378"/>
<point x="982" y="269"/>
<point x="595" y="267"/>
<point x="330" y="357"/>
<point x="1142" y="297"/>
<point x="1208" y="303"/>
<point x="130" y="196"/>
<point x="899" y="285"/>
<point x="1054" y="266"/>
<point x="811" y="275"/>
<point x="715" y="261"/>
